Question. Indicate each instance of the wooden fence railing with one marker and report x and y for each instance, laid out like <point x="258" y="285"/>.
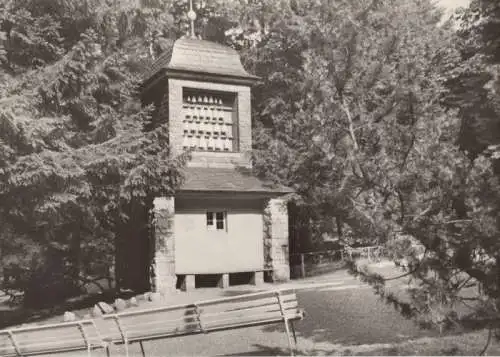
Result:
<point x="312" y="263"/>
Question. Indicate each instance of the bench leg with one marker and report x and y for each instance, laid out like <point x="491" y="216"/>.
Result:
<point x="287" y="331"/>
<point x="142" y="349"/>
<point x="294" y="334"/>
<point x="126" y="347"/>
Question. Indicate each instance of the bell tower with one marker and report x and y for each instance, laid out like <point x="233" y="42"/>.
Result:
<point x="223" y="223"/>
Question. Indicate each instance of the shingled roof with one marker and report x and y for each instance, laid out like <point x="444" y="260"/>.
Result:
<point x="228" y="180"/>
<point x="200" y="56"/>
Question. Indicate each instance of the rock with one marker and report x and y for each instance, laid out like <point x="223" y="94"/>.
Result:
<point x="133" y="302"/>
<point x="120" y="304"/>
<point x="69" y="316"/>
<point x="154" y="297"/>
<point x="125" y="291"/>
<point x="105" y="308"/>
<point x="96" y="311"/>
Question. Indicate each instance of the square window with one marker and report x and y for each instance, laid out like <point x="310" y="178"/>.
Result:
<point x="216" y="220"/>
<point x="219" y="220"/>
<point x="210" y="219"/>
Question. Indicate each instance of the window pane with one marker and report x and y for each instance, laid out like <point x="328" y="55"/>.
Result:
<point x="219" y="218"/>
<point x="210" y="218"/>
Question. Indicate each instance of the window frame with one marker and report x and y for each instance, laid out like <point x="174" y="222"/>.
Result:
<point x="212" y="220"/>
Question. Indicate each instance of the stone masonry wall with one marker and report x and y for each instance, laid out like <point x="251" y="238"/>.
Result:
<point x="164" y="279"/>
<point x="276" y="239"/>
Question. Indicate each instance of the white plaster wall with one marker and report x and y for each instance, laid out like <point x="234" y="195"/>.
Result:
<point x="199" y="251"/>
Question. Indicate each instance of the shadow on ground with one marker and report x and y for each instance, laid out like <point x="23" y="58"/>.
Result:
<point x="263" y="350"/>
<point x="351" y="317"/>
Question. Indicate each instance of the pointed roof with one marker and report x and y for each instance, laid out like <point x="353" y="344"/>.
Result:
<point x="191" y="56"/>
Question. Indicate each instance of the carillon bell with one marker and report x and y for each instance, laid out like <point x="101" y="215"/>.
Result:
<point x="219" y="146"/>
<point x="228" y="144"/>
<point x="201" y="142"/>
<point x="185" y="140"/>
<point x="210" y="143"/>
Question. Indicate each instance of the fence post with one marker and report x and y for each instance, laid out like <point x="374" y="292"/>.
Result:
<point x="302" y="266"/>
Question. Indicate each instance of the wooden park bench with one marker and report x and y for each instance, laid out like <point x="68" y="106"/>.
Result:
<point x="50" y="339"/>
<point x="204" y="317"/>
<point x="150" y="324"/>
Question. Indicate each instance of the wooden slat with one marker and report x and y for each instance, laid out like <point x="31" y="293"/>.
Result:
<point x="47" y="336"/>
<point x="153" y="311"/>
<point x="46" y="339"/>
<point x="226" y="318"/>
<point x="229" y="306"/>
<point x="62" y="325"/>
<point x="243" y="320"/>
<point x="249" y="311"/>
<point x="252" y="296"/>
<point x="160" y="330"/>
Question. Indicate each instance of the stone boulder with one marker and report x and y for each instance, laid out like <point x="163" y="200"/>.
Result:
<point x="96" y="311"/>
<point x="154" y="297"/>
<point x="105" y="308"/>
<point x="133" y="301"/>
<point x="120" y="304"/>
<point x="69" y="316"/>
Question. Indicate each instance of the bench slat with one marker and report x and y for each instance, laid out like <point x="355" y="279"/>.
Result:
<point x="145" y="328"/>
<point x="243" y="318"/>
<point x="250" y="311"/>
<point x="51" y="338"/>
<point x="228" y="306"/>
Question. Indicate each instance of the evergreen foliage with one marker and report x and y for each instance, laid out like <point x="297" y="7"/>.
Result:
<point x="76" y="163"/>
<point x="383" y="118"/>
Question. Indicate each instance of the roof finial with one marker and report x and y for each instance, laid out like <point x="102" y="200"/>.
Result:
<point x="192" y="16"/>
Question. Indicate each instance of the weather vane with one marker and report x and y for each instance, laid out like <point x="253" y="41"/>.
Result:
<point x="191" y="16"/>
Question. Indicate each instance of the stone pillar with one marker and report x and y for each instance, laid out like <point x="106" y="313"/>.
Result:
<point x="276" y="239"/>
<point x="189" y="283"/>
<point x="258" y="278"/>
<point x="224" y="281"/>
<point x="164" y="280"/>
